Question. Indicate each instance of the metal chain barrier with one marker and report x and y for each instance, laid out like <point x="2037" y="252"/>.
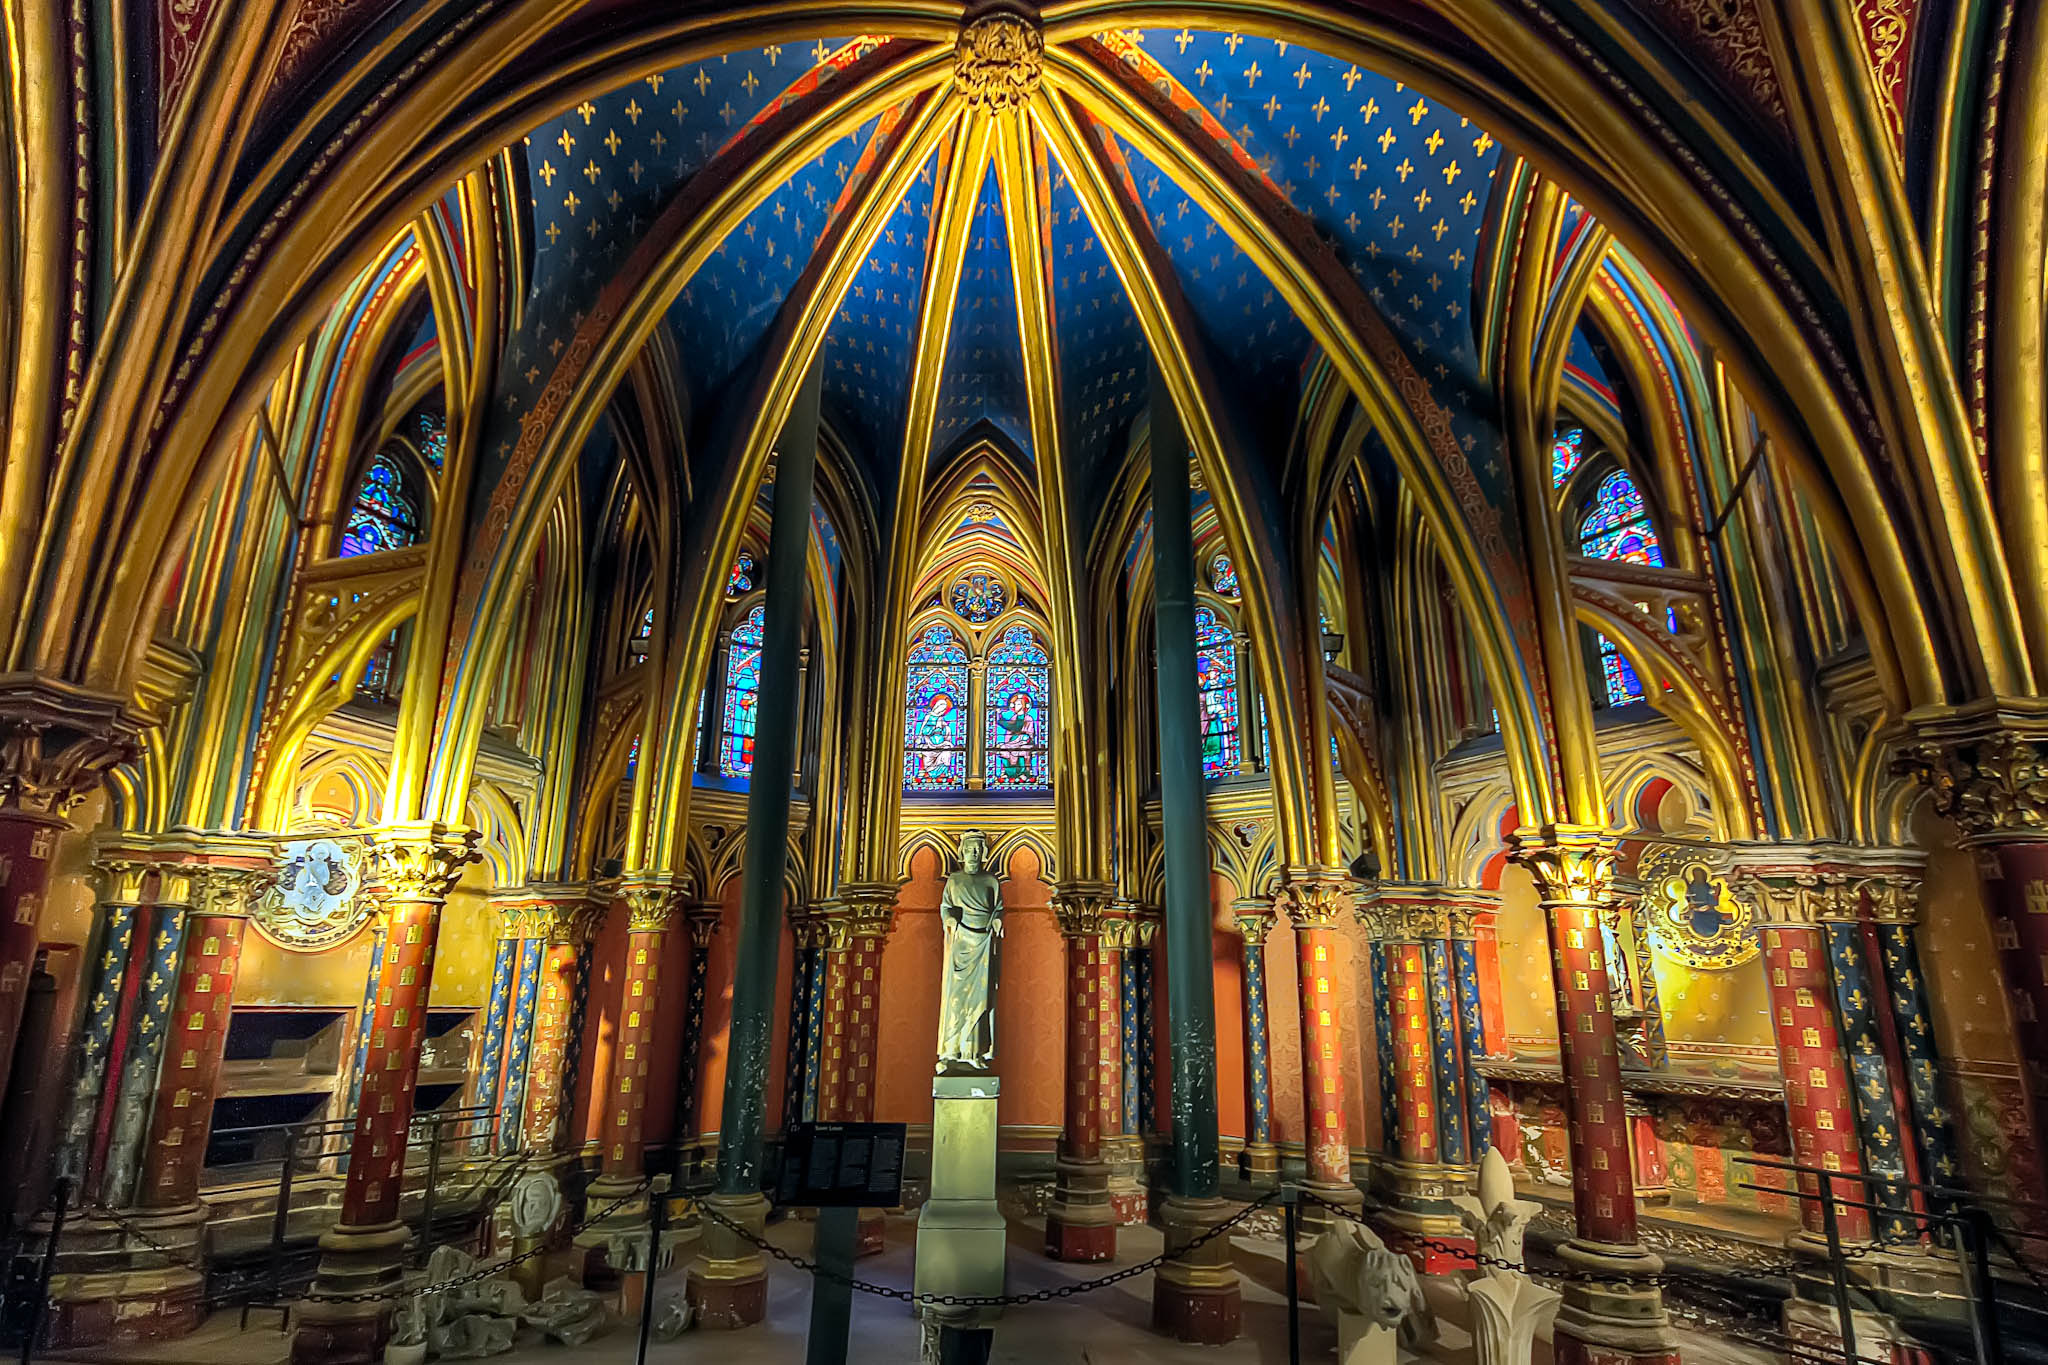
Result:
<point x="1064" y="1291"/>
<point x="483" y="1272"/>
<point x="128" y="1228"/>
<point x="1478" y="1258"/>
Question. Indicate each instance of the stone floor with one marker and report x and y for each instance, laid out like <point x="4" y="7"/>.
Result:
<point x="1108" y="1325"/>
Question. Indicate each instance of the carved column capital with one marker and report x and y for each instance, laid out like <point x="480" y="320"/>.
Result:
<point x="1992" y="783"/>
<point x="1893" y="895"/>
<point x="1796" y="884"/>
<point x="57" y="744"/>
<point x="1254" y="920"/>
<point x="703" y="919"/>
<point x="1314" y="897"/>
<point x="652" y="904"/>
<point x="867" y="909"/>
<point x="1572" y="864"/>
<point x="563" y="912"/>
<point x="418" y="861"/>
<point x="1080" y="907"/>
<point x="121" y="872"/>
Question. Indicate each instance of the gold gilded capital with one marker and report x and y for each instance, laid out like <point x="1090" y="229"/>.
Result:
<point x="418" y="861"/>
<point x="1573" y="865"/>
<point x="1994" y="786"/>
<point x="1314" y="897"/>
<point x="867" y="909"/>
<point x="1081" y="907"/>
<point x="651" y="906"/>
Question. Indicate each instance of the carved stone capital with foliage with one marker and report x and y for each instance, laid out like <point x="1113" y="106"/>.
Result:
<point x="1994" y="786"/>
<point x="1894" y="896"/>
<point x="1315" y="897"/>
<point x="651" y="905"/>
<point x="997" y="60"/>
<point x="703" y="920"/>
<point x="1573" y="865"/>
<point x="1082" y="907"/>
<point x="57" y="745"/>
<point x="867" y="909"/>
<point x="418" y="862"/>
<point x="1253" y="920"/>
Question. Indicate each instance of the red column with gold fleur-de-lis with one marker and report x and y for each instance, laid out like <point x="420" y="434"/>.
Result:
<point x="569" y="924"/>
<point x="1615" y="1314"/>
<point x="412" y="868"/>
<point x="1315" y="901"/>
<point x="1080" y="1225"/>
<point x="224" y="895"/>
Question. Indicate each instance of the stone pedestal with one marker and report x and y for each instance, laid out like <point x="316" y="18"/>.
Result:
<point x="1195" y="1294"/>
<point x="1081" y="1225"/>
<point x="112" y="1289"/>
<point x="728" y="1283"/>
<point x="1421" y="1207"/>
<point x="961" y="1234"/>
<point x="1617" y="1319"/>
<point x="353" y="1260"/>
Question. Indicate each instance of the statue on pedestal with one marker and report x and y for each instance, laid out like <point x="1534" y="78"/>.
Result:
<point x="971" y="907"/>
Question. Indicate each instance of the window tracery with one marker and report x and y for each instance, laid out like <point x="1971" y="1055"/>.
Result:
<point x="1618" y="527"/>
<point x="979" y="597"/>
<point x="1223" y="577"/>
<point x="739" y="581"/>
<point x="1566" y="454"/>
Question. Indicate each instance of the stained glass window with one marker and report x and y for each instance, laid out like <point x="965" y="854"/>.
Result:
<point x="1619" y="526"/>
<point x="1016" y="726"/>
<point x="1623" y="686"/>
<point x="643" y="636"/>
<point x="979" y="598"/>
<point x="740" y="581"/>
<point x="385" y="514"/>
<point x="1216" y="677"/>
<point x="935" y="713"/>
<point x="742" y="697"/>
<point x="432" y="433"/>
<point x="380" y="674"/>
<point x="633" y="756"/>
<point x="1565" y="454"/>
<point x="1223" y="576"/>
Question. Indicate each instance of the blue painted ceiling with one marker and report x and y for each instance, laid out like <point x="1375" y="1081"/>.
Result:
<point x="1398" y="183"/>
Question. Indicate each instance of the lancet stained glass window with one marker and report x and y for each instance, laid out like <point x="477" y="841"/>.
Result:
<point x="1017" y="719"/>
<point x="1565" y="454"/>
<point x="1618" y="528"/>
<point x="935" y="713"/>
<point x="1216" y="677"/>
<point x="740" y="581"/>
<point x="742" y="697"/>
<point x="385" y="514"/>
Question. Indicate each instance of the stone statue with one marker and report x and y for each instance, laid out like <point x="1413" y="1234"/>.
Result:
<point x="1372" y="1292"/>
<point x="971" y="908"/>
<point x="1508" y="1308"/>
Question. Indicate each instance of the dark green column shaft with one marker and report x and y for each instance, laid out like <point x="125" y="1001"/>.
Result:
<point x="1184" y="817"/>
<point x="741" y="1130"/>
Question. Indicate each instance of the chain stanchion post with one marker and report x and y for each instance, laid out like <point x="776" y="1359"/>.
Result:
<point x="433" y="1180"/>
<point x="34" y="1329"/>
<point x="832" y="1287"/>
<point x="1838" y="1264"/>
<point x="1975" y="1264"/>
<point x="280" y="1227"/>
<point x="657" y="1219"/>
<point x="1291" y="1213"/>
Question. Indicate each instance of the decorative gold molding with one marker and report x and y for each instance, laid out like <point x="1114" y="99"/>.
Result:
<point x="1314" y="897"/>
<point x="58" y="743"/>
<point x="1995" y="786"/>
<point x="418" y="861"/>
<point x="1082" y="908"/>
<point x="1573" y="865"/>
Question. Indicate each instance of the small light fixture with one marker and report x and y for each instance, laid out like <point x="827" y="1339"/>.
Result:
<point x="1333" y="645"/>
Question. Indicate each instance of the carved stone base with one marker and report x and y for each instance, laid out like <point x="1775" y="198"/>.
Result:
<point x="1612" y="1321"/>
<point x="1260" y="1162"/>
<point x="352" y="1261"/>
<point x="113" y="1289"/>
<point x="1195" y="1294"/>
<point x="1314" y="1216"/>
<point x="728" y="1283"/>
<point x="1080" y="1225"/>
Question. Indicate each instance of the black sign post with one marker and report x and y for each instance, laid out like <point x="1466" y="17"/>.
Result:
<point x="839" y="1169"/>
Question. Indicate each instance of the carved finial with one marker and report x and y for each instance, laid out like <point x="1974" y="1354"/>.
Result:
<point x="996" y="62"/>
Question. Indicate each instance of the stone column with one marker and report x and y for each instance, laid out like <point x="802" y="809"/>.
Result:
<point x="1142" y="1069"/>
<point x="1195" y="1294"/>
<point x="702" y="920"/>
<point x="570" y="918"/>
<point x="1784" y="882"/>
<point x="855" y="931"/>
<point x="1315" y="901"/>
<point x="55" y="746"/>
<point x="1639" y="1016"/>
<point x="486" y="1086"/>
<point x="1466" y="911"/>
<point x="1261" y="1158"/>
<point x="114" y="969"/>
<point x="411" y="870"/>
<point x="147" y="1025"/>
<point x="1079" y="1225"/>
<point x="1409" y="926"/>
<point x="728" y="1284"/>
<point x="1988" y="772"/>
<point x="1618" y="1320"/>
<point x="1893" y="899"/>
